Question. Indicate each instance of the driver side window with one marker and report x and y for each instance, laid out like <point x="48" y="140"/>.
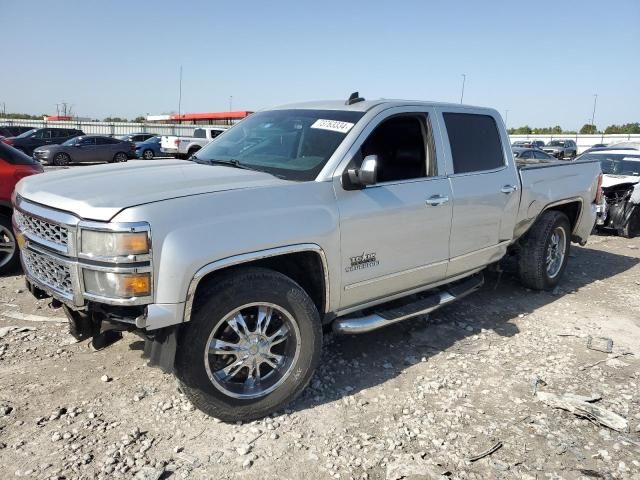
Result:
<point x="404" y="147"/>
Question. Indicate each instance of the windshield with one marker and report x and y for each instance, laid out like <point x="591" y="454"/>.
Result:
<point x="72" y="141"/>
<point x="555" y="143"/>
<point x="27" y="133"/>
<point x="291" y="144"/>
<point x="616" y="163"/>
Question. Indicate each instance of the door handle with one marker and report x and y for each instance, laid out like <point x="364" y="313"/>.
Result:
<point x="435" y="200"/>
<point x="507" y="189"/>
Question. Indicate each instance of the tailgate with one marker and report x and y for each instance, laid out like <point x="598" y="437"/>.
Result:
<point x="169" y="141"/>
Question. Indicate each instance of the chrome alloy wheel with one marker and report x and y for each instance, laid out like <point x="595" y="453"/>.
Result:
<point x="7" y="246"/>
<point x="556" y="251"/>
<point x="251" y="351"/>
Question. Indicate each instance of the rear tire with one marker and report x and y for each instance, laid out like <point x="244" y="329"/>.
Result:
<point x="544" y="251"/>
<point x="192" y="151"/>
<point x="213" y="329"/>
<point x="120" y="157"/>
<point x="9" y="252"/>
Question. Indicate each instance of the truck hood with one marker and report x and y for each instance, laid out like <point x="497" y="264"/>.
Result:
<point x="612" y="180"/>
<point x="100" y="192"/>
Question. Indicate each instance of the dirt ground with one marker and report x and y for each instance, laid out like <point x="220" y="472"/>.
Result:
<point x="417" y="400"/>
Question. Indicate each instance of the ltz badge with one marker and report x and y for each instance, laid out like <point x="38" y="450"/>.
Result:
<point x="365" y="260"/>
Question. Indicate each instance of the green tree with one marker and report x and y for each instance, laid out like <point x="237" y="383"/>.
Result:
<point x="115" y="119"/>
<point x="24" y="116"/>
<point x="588" y="129"/>
<point x="526" y="130"/>
<point x="140" y="119"/>
<point x="626" y="128"/>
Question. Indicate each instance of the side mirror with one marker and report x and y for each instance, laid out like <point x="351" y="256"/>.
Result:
<point x="367" y="174"/>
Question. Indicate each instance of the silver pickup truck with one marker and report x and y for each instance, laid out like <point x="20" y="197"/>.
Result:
<point x="352" y="215"/>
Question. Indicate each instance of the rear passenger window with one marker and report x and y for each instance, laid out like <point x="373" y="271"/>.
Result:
<point x="475" y="142"/>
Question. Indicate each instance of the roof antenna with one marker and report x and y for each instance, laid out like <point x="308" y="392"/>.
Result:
<point x="354" y="98"/>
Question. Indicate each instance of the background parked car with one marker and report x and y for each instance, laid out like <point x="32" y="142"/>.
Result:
<point x="12" y="130"/>
<point x="14" y="165"/>
<point x="184" y="147"/>
<point x="89" y="148"/>
<point x="149" y="149"/>
<point x="38" y="137"/>
<point x="531" y="154"/>
<point x="137" y="137"/>
<point x="528" y="144"/>
<point x="562" y="149"/>
<point x="620" y="187"/>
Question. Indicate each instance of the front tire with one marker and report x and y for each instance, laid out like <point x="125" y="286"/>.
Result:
<point x="632" y="227"/>
<point x="61" y="159"/>
<point x="9" y="252"/>
<point x="252" y="345"/>
<point x="148" y="154"/>
<point x="544" y="251"/>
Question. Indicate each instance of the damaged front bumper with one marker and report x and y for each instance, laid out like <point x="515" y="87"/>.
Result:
<point x="621" y="208"/>
<point x="104" y="325"/>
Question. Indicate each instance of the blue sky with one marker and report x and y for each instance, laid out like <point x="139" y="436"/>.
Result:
<point x="543" y="61"/>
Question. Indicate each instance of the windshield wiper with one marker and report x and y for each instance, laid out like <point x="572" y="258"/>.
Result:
<point x="232" y="163"/>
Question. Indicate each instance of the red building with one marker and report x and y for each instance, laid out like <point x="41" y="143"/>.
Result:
<point x="211" y="118"/>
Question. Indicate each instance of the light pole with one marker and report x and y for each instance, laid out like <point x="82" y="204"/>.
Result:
<point x="180" y="96"/>
<point x="593" y="115"/>
<point x="464" y="78"/>
<point x="506" y="118"/>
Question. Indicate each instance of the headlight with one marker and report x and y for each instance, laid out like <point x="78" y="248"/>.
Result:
<point x="118" y="285"/>
<point x="114" y="244"/>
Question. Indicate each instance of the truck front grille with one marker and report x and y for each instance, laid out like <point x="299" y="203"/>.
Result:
<point x="48" y="271"/>
<point x="41" y="229"/>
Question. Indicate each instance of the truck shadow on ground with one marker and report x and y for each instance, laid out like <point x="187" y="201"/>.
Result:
<point x="353" y="363"/>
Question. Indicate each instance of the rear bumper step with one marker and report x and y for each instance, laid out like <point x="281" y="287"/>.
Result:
<point x="423" y="305"/>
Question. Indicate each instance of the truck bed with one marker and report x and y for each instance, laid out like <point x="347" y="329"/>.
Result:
<point x="545" y="181"/>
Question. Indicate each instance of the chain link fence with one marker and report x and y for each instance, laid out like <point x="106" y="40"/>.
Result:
<point x="111" y="128"/>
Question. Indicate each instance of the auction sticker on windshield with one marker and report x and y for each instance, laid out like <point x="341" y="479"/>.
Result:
<point x="333" y="125"/>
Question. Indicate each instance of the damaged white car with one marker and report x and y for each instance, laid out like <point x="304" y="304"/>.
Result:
<point x="620" y="187"/>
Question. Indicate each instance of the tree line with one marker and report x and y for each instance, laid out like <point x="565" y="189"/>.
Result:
<point x="587" y="129"/>
<point x="26" y="116"/>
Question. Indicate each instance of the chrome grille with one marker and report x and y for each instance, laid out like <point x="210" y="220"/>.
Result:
<point x="48" y="271"/>
<point x="41" y="229"/>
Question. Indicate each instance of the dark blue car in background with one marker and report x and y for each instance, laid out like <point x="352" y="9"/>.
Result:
<point x="149" y="148"/>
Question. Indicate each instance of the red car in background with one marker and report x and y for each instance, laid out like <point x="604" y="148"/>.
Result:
<point x="14" y="165"/>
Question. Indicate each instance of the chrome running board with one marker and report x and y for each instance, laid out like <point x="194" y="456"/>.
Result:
<point x="424" y="304"/>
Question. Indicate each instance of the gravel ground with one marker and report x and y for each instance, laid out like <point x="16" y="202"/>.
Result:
<point x="419" y="399"/>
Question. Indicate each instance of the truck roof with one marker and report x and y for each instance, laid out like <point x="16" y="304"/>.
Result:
<point x="364" y="106"/>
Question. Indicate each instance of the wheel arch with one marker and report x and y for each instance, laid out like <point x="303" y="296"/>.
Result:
<point x="306" y="264"/>
<point x="6" y="209"/>
<point x="571" y="207"/>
